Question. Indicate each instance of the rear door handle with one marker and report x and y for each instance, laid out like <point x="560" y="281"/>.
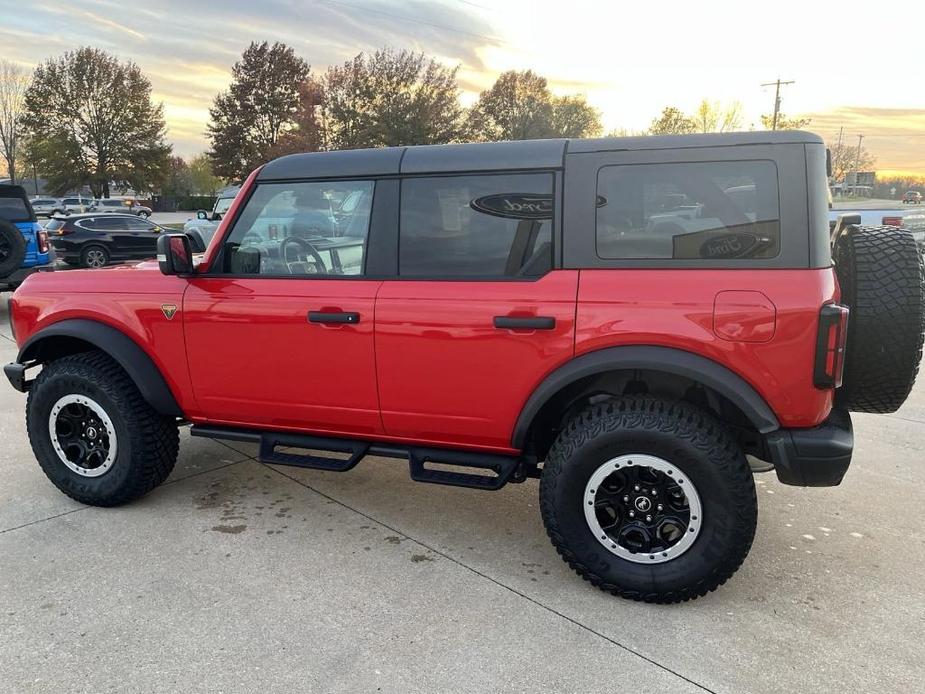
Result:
<point x="333" y="317"/>
<point x="525" y="322"/>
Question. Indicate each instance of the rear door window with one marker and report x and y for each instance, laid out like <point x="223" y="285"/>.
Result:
<point x="486" y="226"/>
<point x="104" y="224"/>
<point x="693" y="210"/>
<point x="14" y="210"/>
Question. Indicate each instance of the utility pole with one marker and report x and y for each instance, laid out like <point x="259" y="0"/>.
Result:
<point x="857" y="164"/>
<point x="776" y="86"/>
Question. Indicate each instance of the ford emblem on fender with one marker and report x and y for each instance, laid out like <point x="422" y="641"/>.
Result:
<point x="515" y="205"/>
<point x="728" y="246"/>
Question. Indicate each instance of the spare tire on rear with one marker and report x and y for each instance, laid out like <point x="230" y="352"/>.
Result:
<point x="883" y="284"/>
<point x="12" y="248"/>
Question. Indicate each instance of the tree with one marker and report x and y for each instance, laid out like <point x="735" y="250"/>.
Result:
<point x="846" y="158"/>
<point x="519" y="106"/>
<point x="306" y="134"/>
<point x="516" y="107"/>
<point x="203" y="180"/>
<point x="259" y="106"/>
<point x="713" y="117"/>
<point x="179" y="180"/>
<point x="91" y="120"/>
<point x="672" y="121"/>
<point x="783" y="123"/>
<point x="14" y="82"/>
<point x="573" y="116"/>
<point x="390" y="98"/>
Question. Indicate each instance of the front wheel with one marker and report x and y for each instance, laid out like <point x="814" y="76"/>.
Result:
<point x="649" y="499"/>
<point x="94" y="435"/>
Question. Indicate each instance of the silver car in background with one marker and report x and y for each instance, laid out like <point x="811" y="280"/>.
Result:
<point x="45" y="206"/>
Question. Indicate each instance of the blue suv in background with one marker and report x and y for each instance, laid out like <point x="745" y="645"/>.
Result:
<point x="24" y="246"/>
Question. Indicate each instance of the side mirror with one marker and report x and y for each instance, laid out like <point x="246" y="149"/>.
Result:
<point x="217" y="217"/>
<point x="202" y="214"/>
<point x="174" y="255"/>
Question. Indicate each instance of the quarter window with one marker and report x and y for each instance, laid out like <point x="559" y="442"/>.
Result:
<point x="476" y="226"/>
<point x="301" y="229"/>
<point x="699" y="210"/>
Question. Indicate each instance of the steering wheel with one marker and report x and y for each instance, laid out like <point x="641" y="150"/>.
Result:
<point x="309" y="249"/>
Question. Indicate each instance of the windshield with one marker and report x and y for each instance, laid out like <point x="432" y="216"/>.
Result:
<point x="222" y="205"/>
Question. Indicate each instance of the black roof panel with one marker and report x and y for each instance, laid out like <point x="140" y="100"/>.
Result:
<point x="348" y="162"/>
<point x="492" y="156"/>
<point x="765" y="137"/>
<point x="484" y="156"/>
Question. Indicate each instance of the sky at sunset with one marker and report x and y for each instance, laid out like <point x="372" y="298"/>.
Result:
<point x="629" y="58"/>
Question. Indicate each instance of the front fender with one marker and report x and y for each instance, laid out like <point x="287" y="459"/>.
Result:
<point x="137" y="364"/>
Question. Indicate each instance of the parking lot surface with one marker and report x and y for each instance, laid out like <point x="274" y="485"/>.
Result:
<point x="235" y="576"/>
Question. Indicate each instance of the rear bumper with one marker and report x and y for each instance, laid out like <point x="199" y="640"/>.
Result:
<point x="816" y="457"/>
<point x="16" y="277"/>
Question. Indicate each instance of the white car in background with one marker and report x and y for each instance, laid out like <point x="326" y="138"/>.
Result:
<point x="44" y="206"/>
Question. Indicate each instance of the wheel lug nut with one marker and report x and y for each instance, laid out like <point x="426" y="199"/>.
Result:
<point x="636" y="488"/>
<point x="659" y="507"/>
<point x="648" y="519"/>
<point x="626" y="498"/>
<point x="632" y="514"/>
<point x="654" y="493"/>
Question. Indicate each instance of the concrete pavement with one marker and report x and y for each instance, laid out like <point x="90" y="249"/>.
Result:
<point x="235" y="576"/>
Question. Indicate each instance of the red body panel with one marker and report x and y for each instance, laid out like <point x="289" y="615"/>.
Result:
<point x="127" y="298"/>
<point x="447" y="374"/>
<point x="675" y="308"/>
<point x="257" y="360"/>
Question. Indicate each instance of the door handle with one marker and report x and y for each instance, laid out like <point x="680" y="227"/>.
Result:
<point x="525" y="322"/>
<point x="333" y="317"/>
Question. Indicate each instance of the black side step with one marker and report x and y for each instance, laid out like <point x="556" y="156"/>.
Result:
<point x="269" y="441"/>
<point x="504" y="468"/>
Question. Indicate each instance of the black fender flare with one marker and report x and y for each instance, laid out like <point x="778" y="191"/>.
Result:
<point x="665" y="359"/>
<point x="123" y="349"/>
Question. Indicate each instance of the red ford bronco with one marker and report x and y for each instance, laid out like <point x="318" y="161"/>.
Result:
<point x="640" y="323"/>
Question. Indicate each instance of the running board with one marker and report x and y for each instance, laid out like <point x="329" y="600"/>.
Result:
<point x="472" y="469"/>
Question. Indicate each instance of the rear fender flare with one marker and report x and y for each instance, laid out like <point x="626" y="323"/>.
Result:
<point x="649" y="358"/>
<point x="123" y="349"/>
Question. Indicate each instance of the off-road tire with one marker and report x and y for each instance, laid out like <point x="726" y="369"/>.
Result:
<point x="12" y="248"/>
<point x="690" y="439"/>
<point x="883" y="284"/>
<point x="148" y="442"/>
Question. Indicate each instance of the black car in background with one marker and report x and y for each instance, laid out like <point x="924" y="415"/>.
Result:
<point x="93" y="240"/>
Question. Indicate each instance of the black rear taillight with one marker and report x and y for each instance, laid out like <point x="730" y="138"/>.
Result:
<point x="42" y="239"/>
<point x="830" y="346"/>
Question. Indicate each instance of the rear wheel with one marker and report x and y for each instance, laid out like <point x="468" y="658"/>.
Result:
<point x="649" y="499"/>
<point x="93" y="434"/>
<point x="94" y="256"/>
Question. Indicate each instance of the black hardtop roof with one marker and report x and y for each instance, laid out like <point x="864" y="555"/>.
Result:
<point x="495" y="156"/>
<point x="9" y="190"/>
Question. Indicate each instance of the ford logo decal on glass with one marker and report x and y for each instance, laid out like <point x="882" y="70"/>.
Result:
<point x="729" y="246"/>
<point x="520" y="205"/>
<point x="515" y="205"/>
